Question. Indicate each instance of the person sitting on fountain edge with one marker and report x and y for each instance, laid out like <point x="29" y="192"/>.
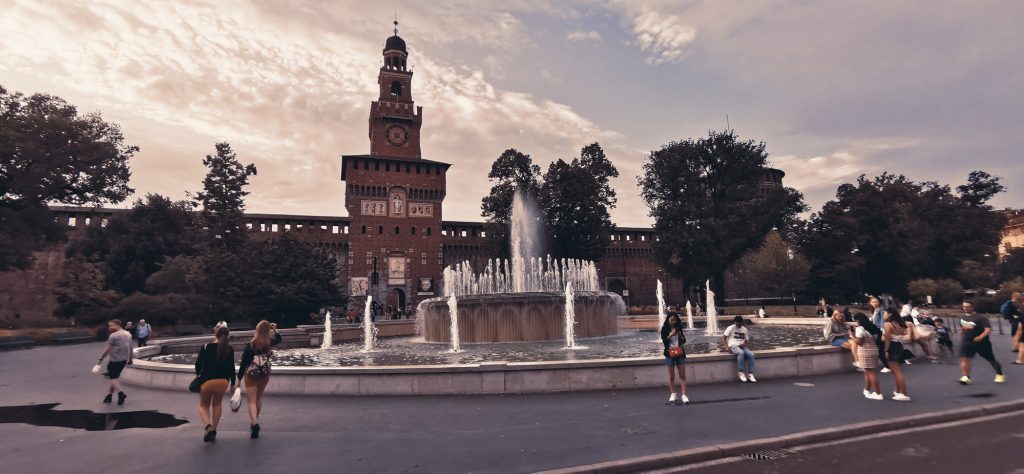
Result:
<point x="735" y="338"/>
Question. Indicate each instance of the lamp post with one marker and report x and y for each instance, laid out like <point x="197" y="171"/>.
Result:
<point x="854" y="252"/>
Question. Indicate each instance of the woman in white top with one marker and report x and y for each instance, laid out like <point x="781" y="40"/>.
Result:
<point x="672" y="338"/>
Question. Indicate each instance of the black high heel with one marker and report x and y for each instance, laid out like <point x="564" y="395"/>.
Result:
<point x="254" y="431"/>
<point x="210" y="434"/>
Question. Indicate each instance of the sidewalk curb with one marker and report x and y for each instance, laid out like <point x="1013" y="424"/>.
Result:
<point x="709" y="453"/>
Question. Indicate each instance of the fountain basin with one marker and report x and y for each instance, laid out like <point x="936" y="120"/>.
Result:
<point x="517" y="317"/>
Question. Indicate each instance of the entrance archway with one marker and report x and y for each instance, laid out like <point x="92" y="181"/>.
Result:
<point x="616" y="286"/>
<point x="396" y="300"/>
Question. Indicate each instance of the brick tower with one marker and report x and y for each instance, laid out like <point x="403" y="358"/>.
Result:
<point x="393" y="196"/>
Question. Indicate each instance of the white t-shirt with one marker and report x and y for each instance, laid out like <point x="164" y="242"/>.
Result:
<point x="760" y="313"/>
<point x="907" y="309"/>
<point x="735" y="335"/>
<point x="861" y="333"/>
<point x="673" y="341"/>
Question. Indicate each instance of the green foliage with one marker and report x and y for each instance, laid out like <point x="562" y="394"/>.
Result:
<point x="575" y="200"/>
<point x="1012" y="265"/>
<point x="948" y="292"/>
<point x="223" y="197"/>
<point x="51" y="154"/>
<point x="82" y="293"/>
<point x="134" y="244"/>
<point x="976" y="275"/>
<point x="707" y="203"/>
<point x="1016" y="284"/>
<point x="165" y="309"/>
<point x="178" y="274"/>
<point x="772" y="270"/>
<point x="901" y="230"/>
<point x="980" y="187"/>
<point x="282" y="279"/>
<point x="512" y="170"/>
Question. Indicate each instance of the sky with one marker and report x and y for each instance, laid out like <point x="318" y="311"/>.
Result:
<point x="930" y="89"/>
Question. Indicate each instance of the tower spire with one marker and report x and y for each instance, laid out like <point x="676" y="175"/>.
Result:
<point x="396" y="22"/>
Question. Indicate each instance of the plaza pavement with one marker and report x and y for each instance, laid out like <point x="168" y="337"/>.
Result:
<point x="482" y="433"/>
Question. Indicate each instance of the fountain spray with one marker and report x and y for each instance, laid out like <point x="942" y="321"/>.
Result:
<point x="661" y="306"/>
<point x="369" y="329"/>
<point x="689" y="315"/>
<point x="453" y="314"/>
<point x="712" y="317"/>
<point x="570" y="318"/>
<point x="327" y="339"/>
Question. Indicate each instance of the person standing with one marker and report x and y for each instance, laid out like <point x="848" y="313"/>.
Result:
<point x="976" y="329"/>
<point x="893" y="335"/>
<point x="215" y="366"/>
<point x="945" y="341"/>
<point x="1011" y="312"/>
<point x="878" y="319"/>
<point x="254" y="370"/>
<point x="130" y="328"/>
<point x="119" y="354"/>
<point x="142" y="332"/>
<point x="865" y="333"/>
<point x="673" y="338"/>
<point x="735" y="339"/>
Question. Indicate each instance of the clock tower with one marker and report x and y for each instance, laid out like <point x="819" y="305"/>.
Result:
<point x="394" y="120"/>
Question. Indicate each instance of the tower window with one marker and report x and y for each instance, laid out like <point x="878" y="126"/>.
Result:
<point x="429" y="231"/>
<point x="376" y="166"/>
<point x="398" y="230"/>
<point x="396" y="89"/>
<point x="364" y="229"/>
<point x="413" y="231"/>
<point x="380" y="229"/>
<point x="366" y="164"/>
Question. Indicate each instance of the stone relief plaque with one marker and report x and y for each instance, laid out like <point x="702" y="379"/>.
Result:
<point x="374" y="208"/>
<point x="358" y="286"/>
<point x="421" y="209"/>
<point x="396" y="270"/>
<point x="396" y="202"/>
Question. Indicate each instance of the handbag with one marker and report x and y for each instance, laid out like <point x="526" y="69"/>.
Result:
<point x="236" y="400"/>
<point x="196" y="385"/>
<point x="676" y="352"/>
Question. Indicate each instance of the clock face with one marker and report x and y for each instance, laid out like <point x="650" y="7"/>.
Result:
<point x="396" y="135"/>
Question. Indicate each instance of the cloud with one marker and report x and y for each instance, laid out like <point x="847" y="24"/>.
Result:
<point x="664" y="37"/>
<point x="583" y="36"/>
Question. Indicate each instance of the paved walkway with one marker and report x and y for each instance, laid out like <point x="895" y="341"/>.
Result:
<point x="448" y="433"/>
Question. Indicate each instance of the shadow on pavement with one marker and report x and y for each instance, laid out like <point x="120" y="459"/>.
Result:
<point x="45" y="415"/>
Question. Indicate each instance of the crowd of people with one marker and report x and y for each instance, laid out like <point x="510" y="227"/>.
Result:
<point x="388" y="312"/>
<point x="881" y="343"/>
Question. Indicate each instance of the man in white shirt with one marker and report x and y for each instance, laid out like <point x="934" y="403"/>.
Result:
<point x="735" y="339"/>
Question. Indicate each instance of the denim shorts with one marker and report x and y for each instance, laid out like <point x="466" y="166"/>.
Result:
<point x="669" y="361"/>
<point x="839" y="341"/>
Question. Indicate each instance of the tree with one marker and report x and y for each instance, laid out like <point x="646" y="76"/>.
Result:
<point x="575" y="199"/>
<point x="891" y="230"/>
<point x="51" y="154"/>
<point x="134" y="244"/>
<point x="980" y="187"/>
<point x="772" y="270"/>
<point x="708" y="205"/>
<point x="82" y="293"/>
<point x="1012" y="265"/>
<point x="223" y="197"/>
<point x="512" y="170"/>
<point x="976" y="275"/>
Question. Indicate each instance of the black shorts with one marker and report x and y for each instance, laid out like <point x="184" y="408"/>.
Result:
<point x="114" y="369"/>
<point x="984" y="348"/>
<point x="946" y="342"/>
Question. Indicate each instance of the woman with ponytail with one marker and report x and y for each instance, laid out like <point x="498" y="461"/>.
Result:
<point x="215" y="366"/>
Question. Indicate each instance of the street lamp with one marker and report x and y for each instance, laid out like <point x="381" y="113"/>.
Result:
<point x="855" y="251"/>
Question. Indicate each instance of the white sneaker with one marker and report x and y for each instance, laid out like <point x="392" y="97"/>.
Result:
<point x="885" y="370"/>
<point x="907" y="362"/>
<point x="856" y="364"/>
<point x="900" y="397"/>
<point x="867" y="393"/>
<point x="877" y="396"/>
<point x="751" y="378"/>
<point x="673" y="398"/>
<point x="743" y="377"/>
<point x="684" y="399"/>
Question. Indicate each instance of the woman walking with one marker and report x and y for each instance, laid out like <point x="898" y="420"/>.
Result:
<point x="672" y="338"/>
<point x="255" y="371"/>
<point x="865" y="334"/>
<point x="893" y="335"/>
<point x="215" y="366"/>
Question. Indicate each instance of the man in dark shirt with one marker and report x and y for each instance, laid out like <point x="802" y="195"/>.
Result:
<point x="976" y="329"/>
<point x="1011" y="311"/>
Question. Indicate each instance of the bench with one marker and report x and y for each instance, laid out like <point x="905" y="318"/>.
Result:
<point x="189" y="330"/>
<point x="10" y="342"/>
<point x="72" y="336"/>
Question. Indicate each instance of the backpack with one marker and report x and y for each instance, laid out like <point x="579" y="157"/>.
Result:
<point x="260" y="366"/>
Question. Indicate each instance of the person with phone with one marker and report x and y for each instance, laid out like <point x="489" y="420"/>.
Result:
<point x="672" y="338"/>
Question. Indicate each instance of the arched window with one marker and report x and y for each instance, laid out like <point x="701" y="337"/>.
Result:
<point x="429" y="231"/>
<point x="398" y="230"/>
<point x="413" y="231"/>
<point x="396" y="89"/>
<point x="364" y="229"/>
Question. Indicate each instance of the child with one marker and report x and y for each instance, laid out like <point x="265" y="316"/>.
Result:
<point x="945" y="342"/>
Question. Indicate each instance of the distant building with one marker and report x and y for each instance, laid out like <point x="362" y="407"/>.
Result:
<point x="1013" y="231"/>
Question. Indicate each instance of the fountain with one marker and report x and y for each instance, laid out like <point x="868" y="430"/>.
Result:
<point x="689" y="315"/>
<point x="520" y="298"/>
<point x="660" y="293"/>
<point x="327" y="332"/>
<point x="453" y="311"/>
<point x="712" y="316"/>
<point x="369" y="329"/>
<point x="570" y="319"/>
